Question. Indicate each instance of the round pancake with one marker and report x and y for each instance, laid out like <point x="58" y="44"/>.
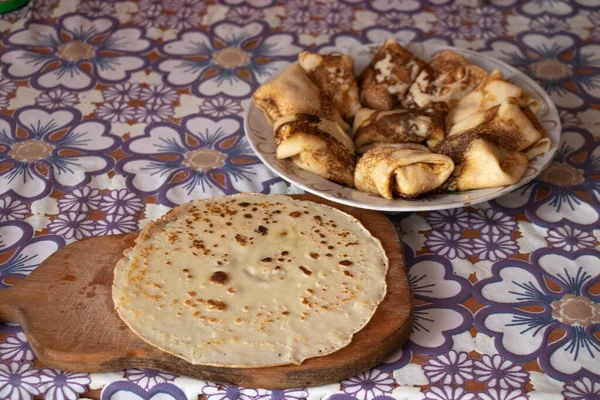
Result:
<point x="250" y="281"/>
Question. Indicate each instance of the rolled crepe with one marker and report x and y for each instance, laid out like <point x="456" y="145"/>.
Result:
<point x="292" y="92"/>
<point x="517" y="128"/>
<point x="316" y="145"/>
<point x="399" y="126"/>
<point x="401" y="170"/>
<point x="387" y="78"/>
<point x="481" y="162"/>
<point x="490" y="93"/>
<point x="448" y="77"/>
<point x="334" y="76"/>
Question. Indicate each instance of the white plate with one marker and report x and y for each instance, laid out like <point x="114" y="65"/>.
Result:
<point x="260" y="135"/>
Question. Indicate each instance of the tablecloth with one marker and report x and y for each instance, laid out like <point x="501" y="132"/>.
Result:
<point x="112" y="112"/>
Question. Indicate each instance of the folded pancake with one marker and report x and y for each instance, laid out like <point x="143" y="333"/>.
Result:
<point x="334" y="76"/>
<point x="491" y="93"/>
<point x="250" y="281"/>
<point x="316" y="145"/>
<point x="388" y="76"/>
<point x="401" y="170"/>
<point x="292" y="92"/>
<point x="481" y="161"/>
<point x="517" y="128"/>
<point x="448" y="77"/>
<point x="399" y="126"/>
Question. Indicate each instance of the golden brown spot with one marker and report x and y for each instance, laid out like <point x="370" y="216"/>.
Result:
<point x="306" y="271"/>
<point x="191" y="294"/>
<point x="215" y="305"/>
<point x="346" y="263"/>
<point x="244" y="204"/>
<point x="309" y="291"/>
<point x="267" y="259"/>
<point x="295" y="214"/>
<point x="285" y="313"/>
<point x="284" y="253"/>
<point x="315" y="255"/>
<point x="231" y="290"/>
<point x="248" y="216"/>
<point x="219" y="278"/>
<point x="241" y="239"/>
<point x="348" y="273"/>
<point x="262" y="230"/>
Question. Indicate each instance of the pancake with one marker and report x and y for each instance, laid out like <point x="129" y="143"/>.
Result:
<point x="404" y="170"/>
<point x="250" y="281"/>
<point x="334" y="76"/>
<point x="386" y="79"/>
<point x="448" y="77"/>
<point x="316" y="145"/>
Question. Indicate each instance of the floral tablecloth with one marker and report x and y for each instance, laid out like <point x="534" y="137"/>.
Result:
<point x="112" y="112"/>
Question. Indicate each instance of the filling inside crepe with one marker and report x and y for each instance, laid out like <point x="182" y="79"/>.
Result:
<point x="292" y="92"/>
<point x="491" y="93"/>
<point x="316" y="145"/>
<point x="334" y="76"/>
<point x="388" y="76"/>
<point x="449" y="76"/>
<point x="401" y="170"/>
<point x="399" y="126"/>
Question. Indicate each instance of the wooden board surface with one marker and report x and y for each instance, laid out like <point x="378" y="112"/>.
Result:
<point x="67" y="312"/>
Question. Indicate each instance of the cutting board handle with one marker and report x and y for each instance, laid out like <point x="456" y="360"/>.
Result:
<point x="8" y="306"/>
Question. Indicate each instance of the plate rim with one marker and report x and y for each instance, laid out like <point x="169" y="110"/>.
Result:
<point x="503" y="190"/>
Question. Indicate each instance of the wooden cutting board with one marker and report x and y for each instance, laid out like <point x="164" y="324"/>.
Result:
<point x="67" y="312"/>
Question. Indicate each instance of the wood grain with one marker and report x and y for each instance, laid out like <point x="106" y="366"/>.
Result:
<point x="67" y="312"/>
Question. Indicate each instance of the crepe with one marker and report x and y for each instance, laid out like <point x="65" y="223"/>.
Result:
<point x="399" y="126"/>
<point x="481" y="161"/>
<point x="250" y="281"/>
<point x="490" y="93"/>
<point x="401" y="170"/>
<point x="334" y="76"/>
<point x="292" y="92"/>
<point x="449" y="76"/>
<point x="316" y="145"/>
<point x="517" y="128"/>
<point x="388" y="76"/>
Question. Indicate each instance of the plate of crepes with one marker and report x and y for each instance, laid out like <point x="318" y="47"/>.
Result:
<point x="403" y="128"/>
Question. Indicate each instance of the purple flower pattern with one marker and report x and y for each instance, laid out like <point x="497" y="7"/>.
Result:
<point x="16" y="348"/>
<point x="18" y="381"/>
<point x="72" y="226"/>
<point x="498" y="372"/>
<point x="121" y="202"/>
<point x="451" y="368"/>
<point x="148" y="378"/>
<point x="128" y="101"/>
<point x="56" y="384"/>
<point x="12" y="209"/>
<point x="368" y="385"/>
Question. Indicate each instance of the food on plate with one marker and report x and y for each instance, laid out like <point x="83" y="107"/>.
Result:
<point x="401" y="170"/>
<point x="292" y="92"/>
<point x="250" y="281"/>
<point x="447" y="77"/>
<point x="316" y="145"/>
<point x="388" y="76"/>
<point x="334" y="76"/>
<point x="490" y="93"/>
<point x="517" y="128"/>
<point x="399" y="126"/>
<point x="481" y="160"/>
<point x="480" y="130"/>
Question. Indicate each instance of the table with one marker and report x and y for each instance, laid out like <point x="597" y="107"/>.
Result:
<point x="507" y="293"/>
